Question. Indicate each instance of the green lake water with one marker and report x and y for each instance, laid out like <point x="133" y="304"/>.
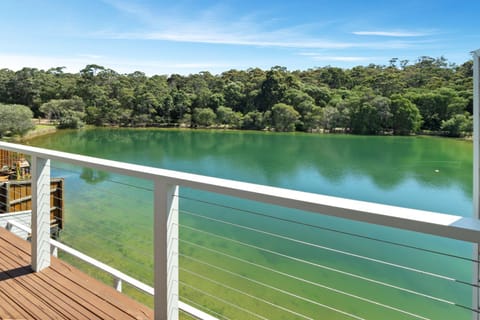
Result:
<point x="224" y="260"/>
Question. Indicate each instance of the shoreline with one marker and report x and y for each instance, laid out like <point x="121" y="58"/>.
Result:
<point x="37" y="132"/>
<point x="46" y="130"/>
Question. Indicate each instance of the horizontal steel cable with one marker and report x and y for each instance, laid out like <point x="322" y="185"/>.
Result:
<point x="218" y="315"/>
<point x="307" y="299"/>
<point x="333" y="269"/>
<point x="329" y="229"/>
<point x="222" y="300"/>
<point x="243" y="292"/>
<point x="435" y="275"/>
<point x="144" y="253"/>
<point x="109" y="180"/>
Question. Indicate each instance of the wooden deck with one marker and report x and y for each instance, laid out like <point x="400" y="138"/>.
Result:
<point x="58" y="292"/>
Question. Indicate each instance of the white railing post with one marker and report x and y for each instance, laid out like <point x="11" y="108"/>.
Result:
<point x="54" y="251"/>
<point x="117" y="284"/>
<point x="165" y="250"/>
<point x="476" y="175"/>
<point x="40" y="213"/>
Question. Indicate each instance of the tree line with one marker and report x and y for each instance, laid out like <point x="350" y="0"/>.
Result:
<point x="428" y="95"/>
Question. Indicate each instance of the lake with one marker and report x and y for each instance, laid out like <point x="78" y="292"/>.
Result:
<point x="298" y="265"/>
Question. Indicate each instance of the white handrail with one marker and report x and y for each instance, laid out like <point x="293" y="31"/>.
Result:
<point x="100" y="265"/>
<point x="116" y="274"/>
<point x="444" y="225"/>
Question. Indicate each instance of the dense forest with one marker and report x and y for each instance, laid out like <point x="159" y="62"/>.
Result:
<point x="429" y="95"/>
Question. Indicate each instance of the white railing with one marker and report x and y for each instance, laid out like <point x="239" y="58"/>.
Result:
<point x="166" y="185"/>
<point x="476" y="170"/>
<point x="166" y="182"/>
<point x="118" y="277"/>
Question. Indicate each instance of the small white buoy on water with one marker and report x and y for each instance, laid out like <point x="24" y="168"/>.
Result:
<point x="437" y="171"/>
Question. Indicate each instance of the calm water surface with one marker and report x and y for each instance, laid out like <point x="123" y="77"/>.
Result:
<point x="109" y="217"/>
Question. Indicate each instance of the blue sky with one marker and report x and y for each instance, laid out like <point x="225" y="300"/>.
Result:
<point x="164" y="37"/>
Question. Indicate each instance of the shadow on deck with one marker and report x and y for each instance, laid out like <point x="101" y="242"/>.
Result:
<point x="58" y="292"/>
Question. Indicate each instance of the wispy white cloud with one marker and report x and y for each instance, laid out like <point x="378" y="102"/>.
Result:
<point x="75" y="64"/>
<point x="266" y="39"/>
<point x="308" y="54"/>
<point x="342" y="58"/>
<point x="90" y="56"/>
<point x="399" y="34"/>
<point x="263" y="40"/>
<point x="335" y="58"/>
<point x="18" y="61"/>
<point x="130" y="8"/>
<point x="216" y="25"/>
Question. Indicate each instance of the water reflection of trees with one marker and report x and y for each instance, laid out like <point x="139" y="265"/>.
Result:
<point x="92" y="176"/>
<point x="386" y="161"/>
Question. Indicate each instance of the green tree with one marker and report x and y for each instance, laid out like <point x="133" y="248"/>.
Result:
<point x="181" y="105"/>
<point x="384" y="114"/>
<point x="227" y="116"/>
<point x="304" y="104"/>
<point x="6" y="78"/>
<point x="355" y="100"/>
<point x="313" y="119"/>
<point x="434" y="105"/>
<point x="235" y="96"/>
<point x="145" y="107"/>
<point x="458" y="125"/>
<point x="203" y="117"/>
<point x="284" y="117"/>
<point x="369" y="114"/>
<point x="406" y="116"/>
<point x="24" y="88"/>
<point x="273" y="89"/>
<point x="342" y="110"/>
<point x="331" y="118"/>
<point x="215" y="100"/>
<point x="321" y="94"/>
<point x="457" y="105"/>
<point x="253" y="120"/>
<point x="334" y="77"/>
<point x="387" y="81"/>
<point x="364" y="119"/>
<point x="68" y="112"/>
<point x="15" y="119"/>
<point x="100" y="90"/>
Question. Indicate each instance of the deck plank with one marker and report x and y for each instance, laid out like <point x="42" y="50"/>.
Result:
<point x="115" y="300"/>
<point x="58" y="292"/>
<point x="43" y="290"/>
<point x="72" y="294"/>
<point x="87" y="284"/>
<point x="30" y="306"/>
<point x="8" y="309"/>
<point x="78" y="283"/>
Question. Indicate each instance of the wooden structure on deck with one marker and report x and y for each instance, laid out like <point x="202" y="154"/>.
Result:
<point x="16" y="196"/>
<point x="16" y="190"/>
<point x="58" y="292"/>
<point x="8" y="158"/>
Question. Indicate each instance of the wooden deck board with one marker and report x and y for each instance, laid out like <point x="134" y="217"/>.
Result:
<point x="59" y="292"/>
<point x="8" y="308"/>
<point x="84" y="288"/>
<point x="36" y="284"/>
<point x="66" y="289"/>
<point x="29" y="305"/>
